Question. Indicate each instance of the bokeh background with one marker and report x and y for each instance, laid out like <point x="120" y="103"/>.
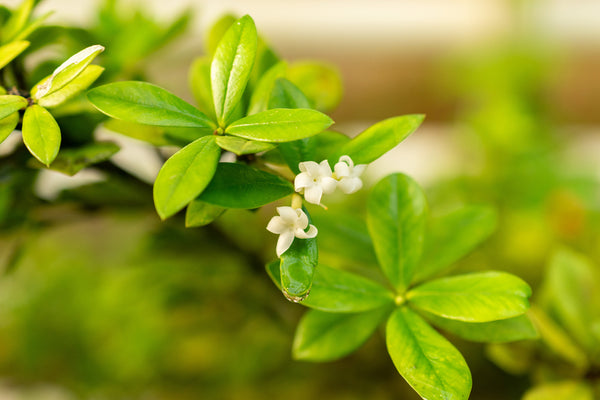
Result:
<point x="103" y="301"/>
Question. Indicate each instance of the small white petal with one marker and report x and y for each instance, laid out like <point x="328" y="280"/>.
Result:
<point x="277" y="225"/>
<point x="328" y="185"/>
<point x="302" y="180"/>
<point x="312" y="232"/>
<point x="325" y="169"/>
<point x="350" y="185"/>
<point x="302" y="221"/>
<point x="284" y="242"/>
<point x="311" y="167"/>
<point x="313" y="194"/>
<point x="342" y="170"/>
<point x="359" y="169"/>
<point x="288" y="214"/>
<point x="347" y="160"/>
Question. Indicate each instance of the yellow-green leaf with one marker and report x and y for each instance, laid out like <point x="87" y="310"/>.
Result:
<point x="41" y="134"/>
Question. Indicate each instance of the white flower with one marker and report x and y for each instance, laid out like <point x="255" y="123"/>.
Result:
<point x="290" y="223"/>
<point x="314" y="180"/>
<point x="349" y="174"/>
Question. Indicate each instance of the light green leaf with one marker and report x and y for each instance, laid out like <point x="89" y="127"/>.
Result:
<point x="259" y="101"/>
<point x="430" y="364"/>
<point x="8" y="125"/>
<point x="503" y="331"/>
<point x="199" y="78"/>
<point x="17" y="20"/>
<point x="564" y="390"/>
<point x="33" y="26"/>
<point x="199" y="213"/>
<point x="185" y="175"/>
<point x="241" y="146"/>
<point x="10" y="51"/>
<point x="148" y="104"/>
<point x="286" y="95"/>
<point x="396" y="218"/>
<point x="241" y="186"/>
<point x="280" y="125"/>
<point x="217" y="31"/>
<point x="320" y="82"/>
<point x="66" y="72"/>
<point x="72" y="160"/>
<point x="231" y="67"/>
<point x="41" y="134"/>
<point x="322" y="336"/>
<point x="297" y="267"/>
<point x="10" y="103"/>
<point x="454" y="235"/>
<point x="476" y="297"/>
<point x="379" y="138"/>
<point x="73" y="88"/>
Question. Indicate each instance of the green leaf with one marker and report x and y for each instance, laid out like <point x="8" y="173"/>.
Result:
<point x="217" y="31"/>
<point x="199" y="213"/>
<point x="66" y="72"/>
<point x="199" y="78"/>
<point x="321" y="83"/>
<point x="231" y="67"/>
<point x="476" y="297"/>
<point x="73" y="88"/>
<point x="379" y="138"/>
<point x="10" y="51"/>
<point x="286" y="95"/>
<point x="396" y="218"/>
<point x="41" y="134"/>
<point x="322" y="336"/>
<point x="503" y="331"/>
<point x="259" y="101"/>
<point x="297" y="267"/>
<point x="17" y="20"/>
<point x="280" y="125"/>
<point x="326" y="143"/>
<point x="454" y="235"/>
<point x="148" y="104"/>
<point x="151" y="134"/>
<point x="241" y="186"/>
<point x="563" y="390"/>
<point x="71" y="161"/>
<point x="10" y="103"/>
<point x="32" y="27"/>
<point x="430" y="364"/>
<point x="8" y="125"/>
<point x="241" y="146"/>
<point x="185" y="175"/>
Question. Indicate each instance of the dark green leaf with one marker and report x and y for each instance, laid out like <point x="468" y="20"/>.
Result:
<point x="326" y="143"/>
<point x="241" y="146"/>
<point x="151" y="134"/>
<point x="200" y="213"/>
<point x="148" y="104"/>
<point x="428" y="362"/>
<point x="322" y="336"/>
<point x="397" y="215"/>
<point x="280" y="125"/>
<point x="185" y="175"/>
<point x="8" y="125"/>
<point x="10" y="103"/>
<point x="231" y="67"/>
<point x="379" y="138"/>
<point x="71" y="161"/>
<point x="241" y="186"/>
<point x="41" y="134"/>
<point x="477" y="297"/>
<point x="321" y="83"/>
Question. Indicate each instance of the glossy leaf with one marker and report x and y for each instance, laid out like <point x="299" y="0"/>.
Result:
<point x="380" y="138"/>
<point x="73" y="88"/>
<point x="454" y="235"/>
<point x="8" y="125"/>
<point x="241" y="146"/>
<point x="322" y="336"/>
<point x="199" y="213"/>
<point x="297" y="267"/>
<point x="563" y="390"/>
<point x="71" y="161"/>
<point x="280" y="125"/>
<point x="241" y="186"/>
<point x="286" y="95"/>
<point x="41" y="134"/>
<point x="477" y="297"/>
<point x="396" y="218"/>
<point x="199" y="78"/>
<point x="10" y="51"/>
<point x="321" y="83"/>
<point x="185" y="175"/>
<point x="66" y="72"/>
<point x="9" y="104"/>
<point x="262" y="93"/>
<point x="231" y="67"/>
<point x="430" y="364"/>
<point x="502" y="331"/>
<point x="148" y="104"/>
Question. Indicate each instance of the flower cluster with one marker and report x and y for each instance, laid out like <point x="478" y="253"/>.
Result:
<point x="313" y="180"/>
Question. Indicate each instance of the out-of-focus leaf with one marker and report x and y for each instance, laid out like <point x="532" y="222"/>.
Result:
<point x="217" y="31"/>
<point x="185" y="175"/>
<point x="430" y="364"/>
<point x="10" y="51"/>
<point x="321" y="83"/>
<point x="73" y="88"/>
<point x="151" y="134"/>
<point x="35" y="24"/>
<point x="199" y="213"/>
<point x="322" y="336"/>
<point x="476" y="297"/>
<point x="397" y="216"/>
<point x="231" y="67"/>
<point x="262" y="92"/>
<point x="241" y="146"/>
<point x="565" y="390"/>
<point x="280" y="125"/>
<point x="286" y="95"/>
<point x="71" y="161"/>
<point x="41" y="134"/>
<point x="10" y="103"/>
<point x="327" y="143"/>
<point x="199" y="78"/>
<point x="7" y="125"/>
<point x="17" y="20"/>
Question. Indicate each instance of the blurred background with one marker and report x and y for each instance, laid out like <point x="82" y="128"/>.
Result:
<point x="103" y="301"/>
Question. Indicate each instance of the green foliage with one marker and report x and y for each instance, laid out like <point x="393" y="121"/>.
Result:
<point x="41" y="134"/>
